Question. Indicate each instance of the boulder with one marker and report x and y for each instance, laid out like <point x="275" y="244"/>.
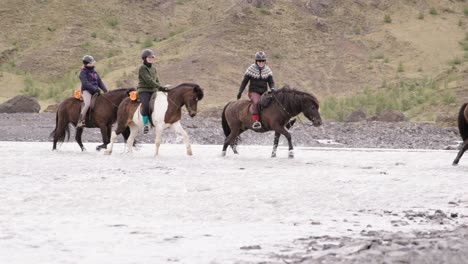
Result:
<point x="20" y="104"/>
<point x="51" y="108"/>
<point x="390" y="116"/>
<point x="356" y="116"/>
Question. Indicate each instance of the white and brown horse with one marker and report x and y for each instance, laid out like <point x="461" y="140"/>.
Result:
<point x="166" y="113"/>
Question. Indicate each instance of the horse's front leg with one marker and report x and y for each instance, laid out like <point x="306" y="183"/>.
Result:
<point x="180" y="130"/>
<point x="158" y="136"/>
<point x="231" y="141"/>
<point x="111" y="143"/>
<point x="286" y="134"/>
<point x="105" y="138"/>
<point x="131" y="138"/>
<point x="79" y="132"/>
<point x="275" y="144"/>
<point x="460" y="153"/>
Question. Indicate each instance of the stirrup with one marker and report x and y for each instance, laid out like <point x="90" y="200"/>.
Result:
<point x="145" y="129"/>
<point x="256" y="125"/>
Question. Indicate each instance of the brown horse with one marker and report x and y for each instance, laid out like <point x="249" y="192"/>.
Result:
<point x="463" y="128"/>
<point x="103" y="115"/>
<point x="286" y="103"/>
<point x="167" y="113"/>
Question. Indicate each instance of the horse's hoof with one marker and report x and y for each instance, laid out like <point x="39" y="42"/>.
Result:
<point x="98" y="148"/>
<point x="223" y="154"/>
<point x="455" y="164"/>
<point x="107" y="152"/>
<point x="291" y="154"/>
<point x="273" y="155"/>
<point x="189" y="151"/>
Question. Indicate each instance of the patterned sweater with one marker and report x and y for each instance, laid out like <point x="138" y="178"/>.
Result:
<point x="259" y="79"/>
<point x="148" y="80"/>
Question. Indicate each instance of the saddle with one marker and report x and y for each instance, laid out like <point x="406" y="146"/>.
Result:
<point x="263" y="103"/>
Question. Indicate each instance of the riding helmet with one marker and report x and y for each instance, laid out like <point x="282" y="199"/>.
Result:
<point x="88" y="59"/>
<point x="260" y="56"/>
<point x="147" y="53"/>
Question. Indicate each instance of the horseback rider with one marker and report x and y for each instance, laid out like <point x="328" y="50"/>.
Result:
<point x="90" y="84"/>
<point x="260" y="77"/>
<point x="148" y="83"/>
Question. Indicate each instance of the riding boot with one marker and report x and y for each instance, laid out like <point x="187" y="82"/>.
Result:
<point x="145" y="125"/>
<point x="81" y="121"/>
<point x="256" y="124"/>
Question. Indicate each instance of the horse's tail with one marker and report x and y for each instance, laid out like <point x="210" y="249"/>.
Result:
<point x="61" y="129"/>
<point x="226" y="128"/>
<point x="462" y="122"/>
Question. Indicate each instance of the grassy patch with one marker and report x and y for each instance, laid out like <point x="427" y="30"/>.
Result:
<point x="30" y="87"/>
<point x="400" y="67"/>
<point x="387" y="19"/>
<point x="433" y="11"/>
<point x="421" y="15"/>
<point x="455" y="61"/>
<point x="408" y="97"/>
<point x="176" y="32"/>
<point x="147" y="43"/>
<point x="113" y="22"/>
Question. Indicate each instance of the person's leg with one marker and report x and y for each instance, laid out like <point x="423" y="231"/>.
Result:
<point x="144" y="99"/>
<point x="255" y="97"/>
<point x="87" y="101"/>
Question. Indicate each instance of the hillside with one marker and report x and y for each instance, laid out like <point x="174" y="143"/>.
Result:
<point x="335" y="49"/>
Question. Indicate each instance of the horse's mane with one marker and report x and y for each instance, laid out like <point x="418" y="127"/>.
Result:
<point x="187" y="84"/>
<point x="290" y="97"/>
<point x="122" y="89"/>
<point x="195" y="86"/>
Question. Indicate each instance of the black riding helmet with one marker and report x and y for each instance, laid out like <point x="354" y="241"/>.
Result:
<point x="88" y="59"/>
<point x="147" y="53"/>
<point x="260" y="56"/>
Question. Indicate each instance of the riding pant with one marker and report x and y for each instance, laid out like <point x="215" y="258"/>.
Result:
<point x="86" y="95"/>
<point x="144" y="99"/>
<point x="254" y="98"/>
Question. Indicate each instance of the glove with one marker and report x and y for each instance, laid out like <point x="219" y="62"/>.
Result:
<point x="239" y="95"/>
<point x="272" y="89"/>
<point x="97" y="91"/>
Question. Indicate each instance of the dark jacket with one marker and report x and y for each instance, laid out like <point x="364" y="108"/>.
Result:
<point x="90" y="81"/>
<point x="259" y="79"/>
<point x="148" y="80"/>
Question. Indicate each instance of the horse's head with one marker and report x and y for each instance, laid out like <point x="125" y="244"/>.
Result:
<point x="310" y="109"/>
<point x="191" y="98"/>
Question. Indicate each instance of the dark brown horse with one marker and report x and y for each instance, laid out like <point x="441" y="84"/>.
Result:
<point x="286" y="103"/>
<point x="463" y="128"/>
<point x="103" y="115"/>
<point x="167" y="112"/>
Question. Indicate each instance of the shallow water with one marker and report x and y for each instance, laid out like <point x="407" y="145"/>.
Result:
<point x="69" y="206"/>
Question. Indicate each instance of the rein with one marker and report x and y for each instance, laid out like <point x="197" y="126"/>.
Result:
<point x="284" y="109"/>
<point x="108" y="100"/>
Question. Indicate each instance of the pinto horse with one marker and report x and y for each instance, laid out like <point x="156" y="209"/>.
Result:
<point x="463" y="128"/>
<point x="103" y="115"/>
<point x="167" y="113"/>
<point x="286" y="103"/>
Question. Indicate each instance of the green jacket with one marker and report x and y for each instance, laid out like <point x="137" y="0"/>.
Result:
<point x="148" y="80"/>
